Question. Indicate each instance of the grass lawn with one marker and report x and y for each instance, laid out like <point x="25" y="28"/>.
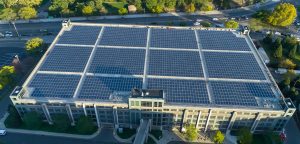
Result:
<point x="150" y="141"/>
<point x="261" y="139"/>
<point x="256" y="25"/>
<point x="113" y="7"/>
<point x="51" y="128"/>
<point x="127" y="133"/>
<point x="156" y="133"/>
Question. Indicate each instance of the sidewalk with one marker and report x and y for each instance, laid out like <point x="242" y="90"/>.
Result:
<point x="43" y="133"/>
<point x="250" y="8"/>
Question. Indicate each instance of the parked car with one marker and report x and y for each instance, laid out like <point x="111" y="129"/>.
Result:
<point x="245" y="17"/>
<point x="2" y="132"/>
<point x="1" y="35"/>
<point x="196" y="23"/>
<point x="8" y="34"/>
<point x="215" y="19"/>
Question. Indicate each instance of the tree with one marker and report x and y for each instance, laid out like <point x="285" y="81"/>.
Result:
<point x="61" y="122"/>
<point x="245" y="136"/>
<point x="290" y="42"/>
<point x="85" y="125"/>
<point x="8" y="14"/>
<point x="231" y="24"/>
<point x="207" y="7"/>
<point x="13" y="120"/>
<point x="32" y="120"/>
<point x="190" y="8"/>
<point x="170" y="4"/>
<point x="87" y="10"/>
<point x="268" y="39"/>
<point x="150" y="4"/>
<point x="180" y="3"/>
<point x="137" y="4"/>
<point x="219" y="137"/>
<point x="278" y="52"/>
<point x="293" y="51"/>
<point x="157" y="9"/>
<point x="191" y="132"/>
<point x="60" y="7"/>
<point x="27" y="13"/>
<point x="287" y="81"/>
<point x="29" y="3"/>
<point x="277" y="43"/>
<point x="34" y="45"/>
<point x="8" y="3"/>
<point x="287" y="63"/>
<point x="7" y="74"/>
<point x="122" y="11"/>
<point x="284" y="14"/>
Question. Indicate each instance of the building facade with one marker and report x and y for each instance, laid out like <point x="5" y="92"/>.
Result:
<point x="59" y="85"/>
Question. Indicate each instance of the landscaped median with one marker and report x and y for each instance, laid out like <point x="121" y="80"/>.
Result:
<point x="61" y="124"/>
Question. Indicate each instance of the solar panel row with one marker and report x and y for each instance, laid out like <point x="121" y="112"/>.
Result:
<point x="52" y="85"/>
<point x="82" y="35"/>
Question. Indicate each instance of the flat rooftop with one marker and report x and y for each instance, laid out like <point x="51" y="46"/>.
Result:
<point x="193" y="66"/>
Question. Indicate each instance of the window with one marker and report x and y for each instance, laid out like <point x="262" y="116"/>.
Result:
<point x="137" y="103"/>
<point x="146" y="104"/>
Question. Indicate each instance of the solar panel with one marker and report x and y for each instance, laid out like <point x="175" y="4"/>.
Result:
<point x="175" y="63"/>
<point x="120" y="36"/>
<point x="118" y="61"/>
<point x="102" y="87"/>
<point x="81" y="35"/>
<point x="173" y="38"/>
<point x="67" y="59"/>
<point x="181" y="91"/>
<point x="51" y="85"/>
<point x="233" y="65"/>
<point x="238" y="93"/>
<point x="222" y="40"/>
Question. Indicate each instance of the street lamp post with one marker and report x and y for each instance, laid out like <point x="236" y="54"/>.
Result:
<point x="13" y="23"/>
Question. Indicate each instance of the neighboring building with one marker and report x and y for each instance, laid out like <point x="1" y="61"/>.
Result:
<point x="264" y="55"/>
<point x="171" y="76"/>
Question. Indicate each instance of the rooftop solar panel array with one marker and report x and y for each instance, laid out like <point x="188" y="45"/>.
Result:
<point x="67" y="58"/>
<point x="81" y="35"/>
<point x="181" y="91"/>
<point x="118" y="61"/>
<point x="120" y="36"/>
<point x="102" y="87"/>
<point x="173" y="38"/>
<point x="233" y="65"/>
<point x="222" y="40"/>
<point x="50" y="85"/>
<point x="237" y="93"/>
<point x="175" y="63"/>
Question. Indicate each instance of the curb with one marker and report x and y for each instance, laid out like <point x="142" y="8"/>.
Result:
<point x="129" y="140"/>
<point x="43" y="133"/>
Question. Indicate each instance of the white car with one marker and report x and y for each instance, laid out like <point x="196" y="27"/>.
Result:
<point x="196" y="24"/>
<point x="198" y="20"/>
<point x="2" y="132"/>
<point x="8" y="34"/>
<point x="215" y="19"/>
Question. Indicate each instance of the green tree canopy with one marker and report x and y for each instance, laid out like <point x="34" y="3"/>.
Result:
<point x="13" y="120"/>
<point x="61" y="122"/>
<point x="231" y="24"/>
<point x="191" y="132"/>
<point x="122" y="11"/>
<point x="278" y="52"/>
<point x="27" y="13"/>
<point x="8" y="3"/>
<point x="29" y="3"/>
<point x="190" y="8"/>
<point x="277" y="43"/>
<point x="290" y="42"/>
<point x="7" y="74"/>
<point x="87" y="10"/>
<point x="85" y="125"/>
<point x="293" y="52"/>
<point x="170" y="4"/>
<point x="284" y="14"/>
<point x="268" y="39"/>
<point x="32" y="120"/>
<point x="157" y="9"/>
<point x="150" y="4"/>
<point x="34" y="45"/>
<point x="287" y="63"/>
<point x="8" y="14"/>
<point x="219" y="137"/>
<point x="245" y="136"/>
